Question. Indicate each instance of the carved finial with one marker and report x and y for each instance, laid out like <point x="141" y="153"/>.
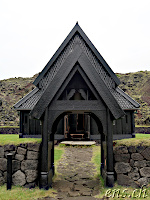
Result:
<point x="77" y="23"/>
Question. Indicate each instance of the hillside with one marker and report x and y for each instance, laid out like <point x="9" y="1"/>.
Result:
<point x="11" y="91"/>
<point x="137" y="85"/>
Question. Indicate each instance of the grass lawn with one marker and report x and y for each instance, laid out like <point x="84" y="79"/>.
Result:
<point x="20" y="193"/>
<point x="14" y="139"/>
<point x="140" y="139"/>
<point x="142" y="126"/>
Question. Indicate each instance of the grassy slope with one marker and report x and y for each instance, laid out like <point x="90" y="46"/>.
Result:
<point x="137" y="85"/>
<point x="11" y="91"/>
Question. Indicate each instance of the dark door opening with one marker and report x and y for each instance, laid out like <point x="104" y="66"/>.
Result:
<point x="76" y="126"/>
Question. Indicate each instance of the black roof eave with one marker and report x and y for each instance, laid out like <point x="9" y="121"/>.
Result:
<point x="126" y="96"/>
<point x="78" y="29"/>
<point x="20" y="102"/>
<point x="131" y="109"/>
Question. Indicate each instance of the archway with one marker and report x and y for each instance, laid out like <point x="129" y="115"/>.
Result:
<point x="49" y="129"/>
<point x="100" y="132"/>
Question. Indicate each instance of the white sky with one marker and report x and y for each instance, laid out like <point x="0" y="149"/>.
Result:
<point x="32" y="30"/>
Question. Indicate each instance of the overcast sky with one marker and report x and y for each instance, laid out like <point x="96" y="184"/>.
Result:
<point x="32" y="30"/>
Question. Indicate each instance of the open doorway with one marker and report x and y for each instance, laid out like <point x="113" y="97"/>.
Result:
<point x="77" y="126"/>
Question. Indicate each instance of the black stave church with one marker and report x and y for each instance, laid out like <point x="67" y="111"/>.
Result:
<point x="79" y="87"/>
<point x="77" y="96"/>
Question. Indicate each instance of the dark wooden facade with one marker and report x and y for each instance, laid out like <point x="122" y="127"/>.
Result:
<point x="77" y="94"/>
<point x="122" y="128"/>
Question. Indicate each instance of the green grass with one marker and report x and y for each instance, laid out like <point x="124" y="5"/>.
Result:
<point x="142" y="126"/>
<point x="14" y="139"/>
<point x="58" y="153"/>
<point x="96" y="159"/>
<point x="140" y="139"/>
<point x="21" y="193"/>
<point x="142" y="136"/>
<point x="9" y="126"/>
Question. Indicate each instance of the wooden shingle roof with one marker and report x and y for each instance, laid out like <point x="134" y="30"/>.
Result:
<point x="96" y="68"/>
<point x="77" y="31"/>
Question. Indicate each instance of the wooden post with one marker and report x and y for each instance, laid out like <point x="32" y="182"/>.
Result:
<point x="44" y="153"/>
<point x="9" y="171"/>
<point x="132" y="125"/>
<point x="109" y="159"/>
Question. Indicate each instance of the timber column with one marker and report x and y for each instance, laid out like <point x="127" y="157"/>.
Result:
<point x="109" y="146"/>
<point x="43" y="182"/>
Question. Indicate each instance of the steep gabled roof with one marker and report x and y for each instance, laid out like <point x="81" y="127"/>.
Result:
<point x="77" y="55"/>
<point x="49" y="75"/>
<point x="77" y="29"/>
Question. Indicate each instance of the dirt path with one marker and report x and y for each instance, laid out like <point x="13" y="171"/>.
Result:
<point x="75" y="180"/>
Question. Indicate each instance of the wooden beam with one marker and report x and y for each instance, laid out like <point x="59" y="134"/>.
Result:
<point x="78" y="105"/>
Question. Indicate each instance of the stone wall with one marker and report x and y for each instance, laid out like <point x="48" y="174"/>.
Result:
<point x="25" y="164"/>
<point x="132" y="165"/>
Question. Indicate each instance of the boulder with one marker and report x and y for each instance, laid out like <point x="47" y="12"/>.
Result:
<point x="3" y="164"/>
<point x="140" y="149"/>
<point x="123" y="180"/>
<point x="134" y="175"/>
<point x="9" y="147"/>
<point x="21" y="151"/>
<point x="122" y="168"/>
<point x="29" y="165"/>
<point x="33" y="147"/>
<point x="143" y="181"/>
<point x="19" y="157"/>
<point x="136" y="156"/>
<point x="146" y="153"/>
<point x="1" y="152"/>
<point x="18" y="178"/>
<point x="31" y="175"/>
<point x="120" y="150"/>
<point x="140" y="163"/>
<point x="32" y="155"/>
<point x="15" y="165"/>
<point x="145" y="171"/>
<point x="122" y="157"/>
<point x="132" y="149"/>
